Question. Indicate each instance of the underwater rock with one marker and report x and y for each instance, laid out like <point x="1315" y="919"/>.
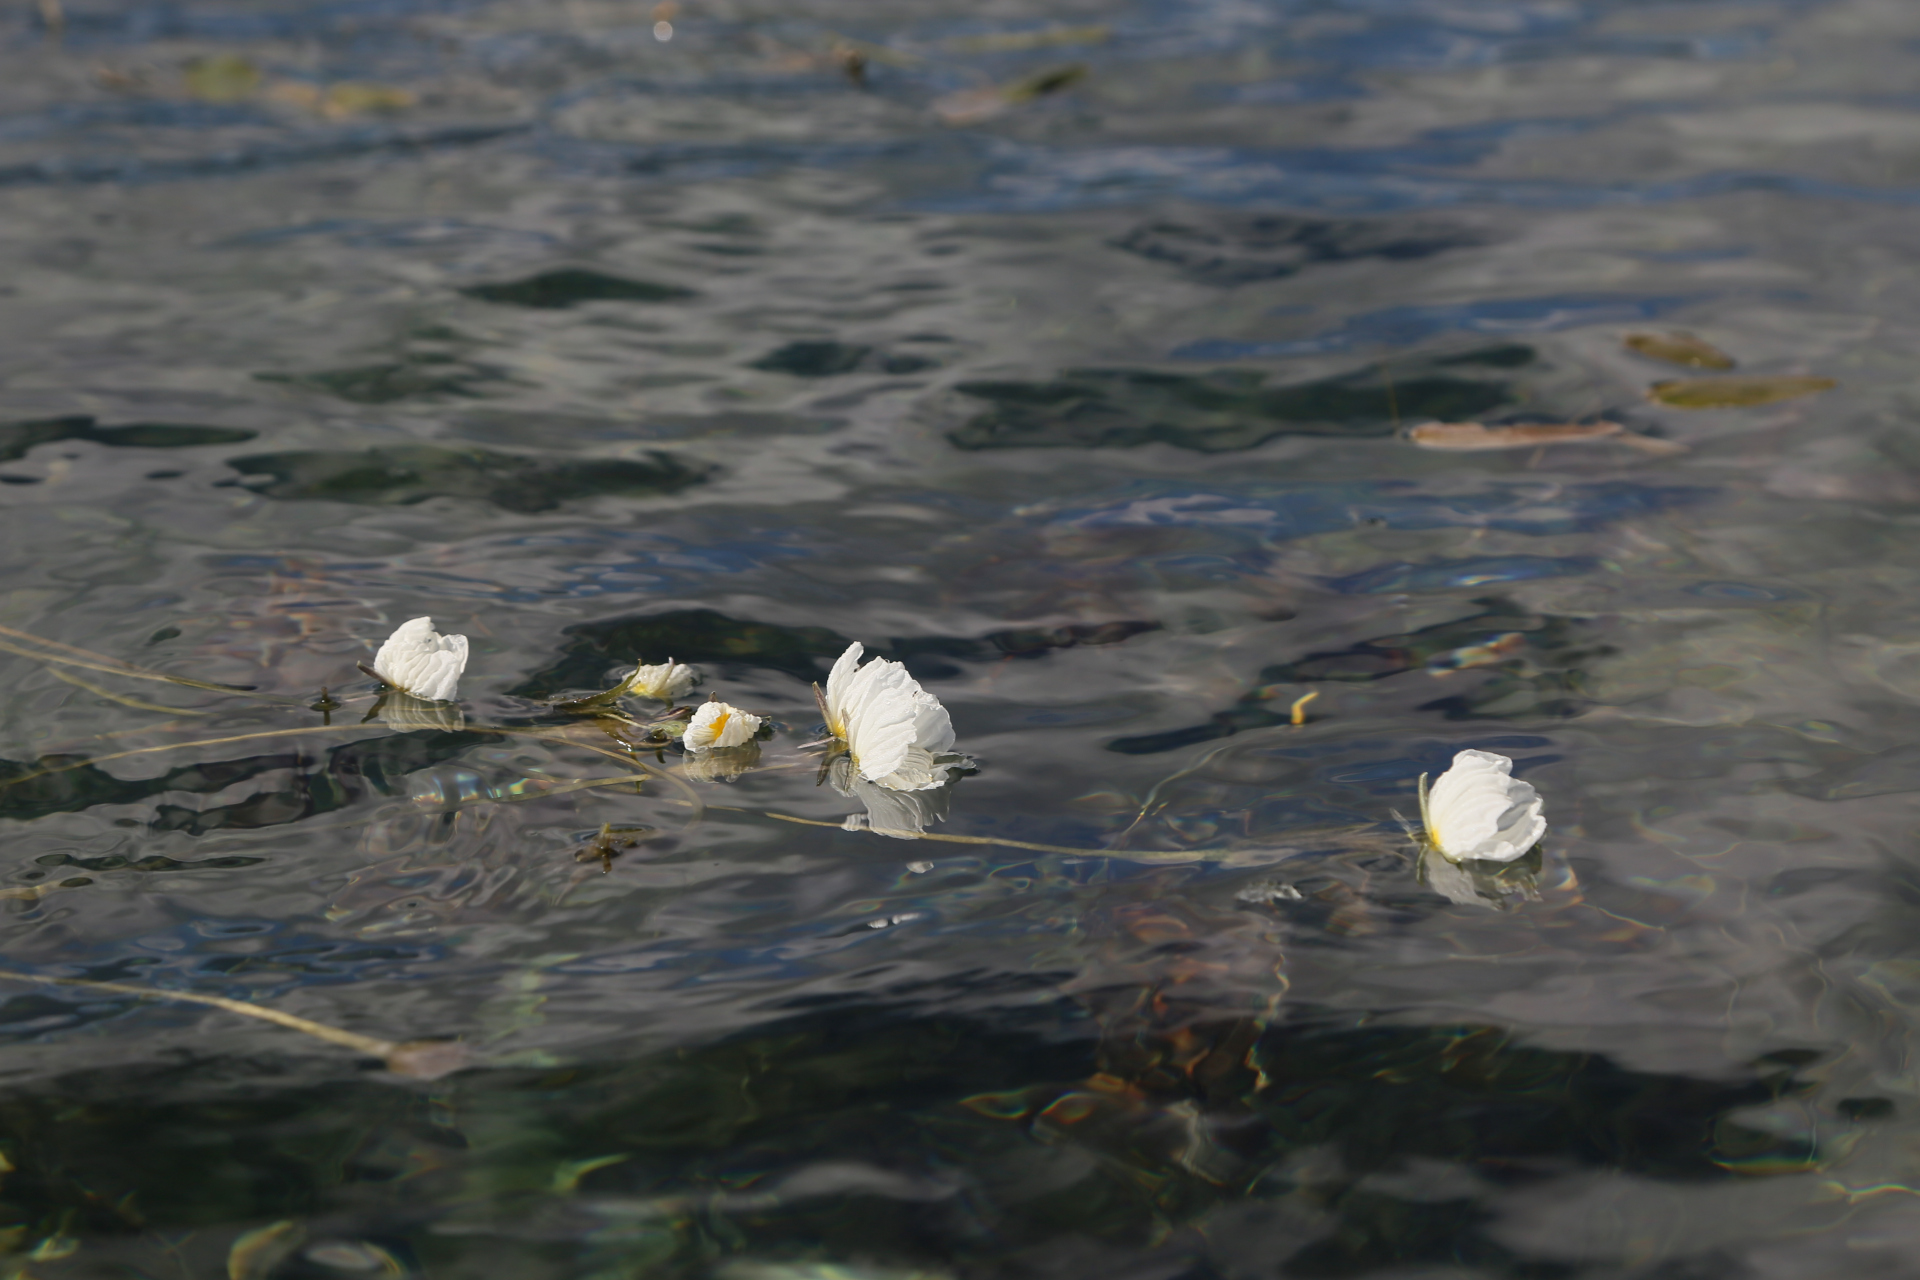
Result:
<point x="413" y="473"/>
<point x="1210" y="413"/>
<point x="554" y="290"/>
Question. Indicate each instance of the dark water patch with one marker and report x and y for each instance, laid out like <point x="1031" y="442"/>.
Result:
<point x="346" y="774"/>
<point x="65" y="784"/>
<point x="151" y="863"/>
<point x="553" y="290"/>
<point x="413" y="473"/>
<point x="1230" y="249"/>
<point x="1035" y="642"/>
<point x="16" y="438"/>
<point x="813" y="359"/>
<point x="1478" y="571"/>
<point x="1210" y="413"/>
<point x="412" y="379"/>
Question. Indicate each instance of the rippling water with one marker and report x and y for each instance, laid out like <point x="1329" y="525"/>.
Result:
<point x="1065" y="353"/>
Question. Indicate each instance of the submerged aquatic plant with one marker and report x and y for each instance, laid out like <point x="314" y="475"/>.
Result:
<point x="418" y="660"/>
<point x="1478" y="812"/>
<point x="895" y="733"/>
<point x="717" y="726"/>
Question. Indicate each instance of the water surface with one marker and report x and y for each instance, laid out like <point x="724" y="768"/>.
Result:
<point x="1063" y="352"/>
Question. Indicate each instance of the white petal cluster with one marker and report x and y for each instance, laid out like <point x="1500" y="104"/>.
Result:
<point x="663" y="680"/>
<point x="893" y="729"/>
<point x="420" y="661"/>
<point x="1478" y="812"/>
<point x="717" y="726"/>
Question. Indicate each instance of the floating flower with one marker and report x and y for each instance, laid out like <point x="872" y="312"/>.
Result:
<point x="717" y="726"/>
<point x="663" y="680"/>
<point x="420" y="661"/>
<point x="1477" y="812"/>
<point x="895" y="732"/>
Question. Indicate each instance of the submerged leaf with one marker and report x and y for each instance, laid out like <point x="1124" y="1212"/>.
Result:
<point x="1679" y="348"/>
<point x="224" y="77"/>
<point x="1734" y="393"/>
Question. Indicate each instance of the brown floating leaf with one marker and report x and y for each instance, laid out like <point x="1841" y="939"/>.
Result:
<point x="1734" y="393"/>
<point x="974" y="105"/>
<point x="224" y="77"/>
<point x="1467" y="437"/>
<point x="1679" y="348"/>
<point x="350" y="98"/>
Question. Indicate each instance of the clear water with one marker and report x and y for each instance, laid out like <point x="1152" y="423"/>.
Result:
<point x="1083" y="404"/>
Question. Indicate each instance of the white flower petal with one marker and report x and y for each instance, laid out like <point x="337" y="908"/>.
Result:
<point x="717" y="726"/>
<point x="418" y="660"/>
<point x="1477" y="811"/>
<point x="663" y="680"/>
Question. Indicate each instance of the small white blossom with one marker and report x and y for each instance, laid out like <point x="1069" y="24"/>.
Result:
<point x="717" y="726"/>
<point x="1477" y="812"/>
<point x="893" y="729"/>
<point x="663" y="680"/>
<point x="420" y="661"/>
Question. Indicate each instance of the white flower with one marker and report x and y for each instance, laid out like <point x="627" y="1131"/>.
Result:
<point x="418" y="660"/>
<point x="664" y="680"/>
<point x="893" y="728"/>
<point x="1477" y="812"/>
<point x="717" y="726"/>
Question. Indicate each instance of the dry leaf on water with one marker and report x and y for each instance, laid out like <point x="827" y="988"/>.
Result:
<point x="974" y="105"/>
<point x="1734" y="393"/>
<point x="224" y="77"/>
<point x="1470" y="437"/>
<point x="1679" y="348"/>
